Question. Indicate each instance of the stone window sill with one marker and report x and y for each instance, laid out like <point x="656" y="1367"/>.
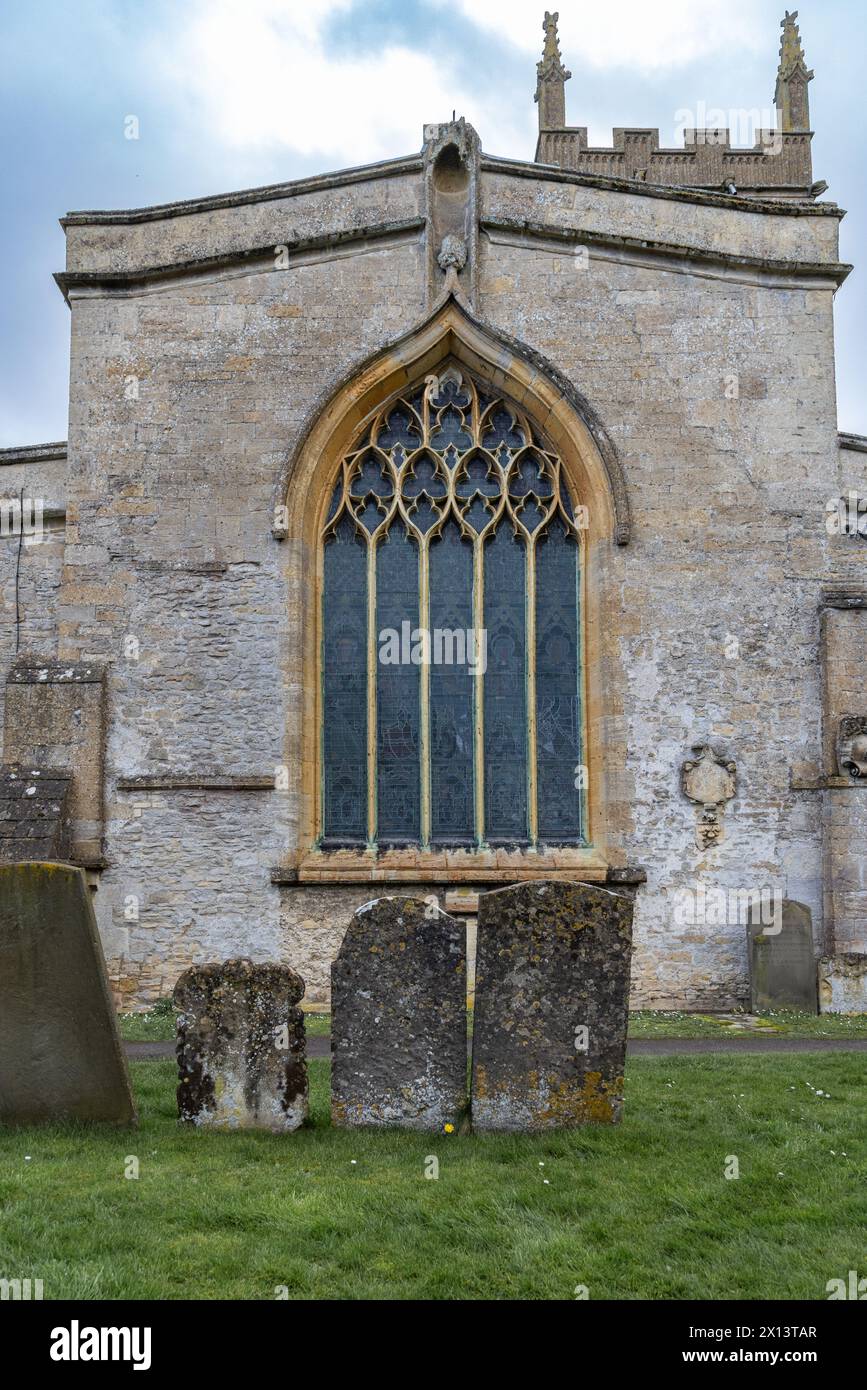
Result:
<point x="454" y="866"/>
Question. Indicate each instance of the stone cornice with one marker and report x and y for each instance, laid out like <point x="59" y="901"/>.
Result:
<point x="33" y="453"/>
<point x="131" y="280"/>
<point x="576" y="236"/>
<point x="406" y="164"/>
<point x="410" y="164"/>
<point x="858" y="442"/>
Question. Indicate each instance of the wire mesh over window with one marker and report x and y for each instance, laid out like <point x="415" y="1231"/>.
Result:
<point x="451" y="631"/>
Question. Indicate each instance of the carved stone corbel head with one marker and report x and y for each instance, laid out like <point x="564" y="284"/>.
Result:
<point x="852" y="745"/>
<point x="709" y="781"/>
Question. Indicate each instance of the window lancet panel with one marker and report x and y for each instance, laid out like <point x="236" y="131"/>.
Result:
<point x="451" y="630"/>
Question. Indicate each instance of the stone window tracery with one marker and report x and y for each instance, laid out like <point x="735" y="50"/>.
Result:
<point x="451" y="631"/>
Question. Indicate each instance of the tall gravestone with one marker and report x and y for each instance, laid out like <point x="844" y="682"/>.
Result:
<point x="241" y="1046"/>
<point x="60" y="1051"/>
<point x="783" y="961"/>
<point x="398" y="1017"/>
<point x="552" y="1006"/>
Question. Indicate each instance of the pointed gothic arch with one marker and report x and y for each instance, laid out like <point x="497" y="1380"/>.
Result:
<point x="450" y="338"/>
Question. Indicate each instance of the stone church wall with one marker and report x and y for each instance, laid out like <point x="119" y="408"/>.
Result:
<point x="713" y="375"/>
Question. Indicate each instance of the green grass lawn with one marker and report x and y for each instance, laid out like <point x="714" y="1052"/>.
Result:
<point x="641" y="1210"/>
<point x="158" y="1025"/>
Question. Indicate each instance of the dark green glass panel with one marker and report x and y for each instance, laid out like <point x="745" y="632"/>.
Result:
<point x="425" y="477"/>
<point x="529" y="476"/>
<point x="397" y="692"/>
<point x="477" y="475"/>
<point x="451" y="432"/>
<point x="371" y="478"/>
<point x="505" y="690"/>
<point x="451" y="689"/>
<point x="399" y="429"/>
<point x="344" y="682"/>
<point x="558" y="705"/>
<point x="501" y="429"/>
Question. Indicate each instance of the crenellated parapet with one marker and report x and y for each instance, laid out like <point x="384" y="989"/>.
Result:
<point x="778" y="165"/>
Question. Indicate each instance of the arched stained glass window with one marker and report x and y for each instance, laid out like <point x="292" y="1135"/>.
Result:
<point x="451" y="631"/>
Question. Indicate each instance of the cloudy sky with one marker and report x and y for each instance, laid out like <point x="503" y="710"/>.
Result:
<point x="235" y="93"/>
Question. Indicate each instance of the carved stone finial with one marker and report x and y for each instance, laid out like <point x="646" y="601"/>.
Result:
<point x="551" y="77"/>
<point x="790" y="94"/>
<point x="709" y="781"/>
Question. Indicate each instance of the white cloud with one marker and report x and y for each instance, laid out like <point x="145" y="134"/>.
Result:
<point x="643" y="35"/>
<point x="262" y="74"/>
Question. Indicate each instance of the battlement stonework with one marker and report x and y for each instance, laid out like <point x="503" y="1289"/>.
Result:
<point x="778" y="166"/>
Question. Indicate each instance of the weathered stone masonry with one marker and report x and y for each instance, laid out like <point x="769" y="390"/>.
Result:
<point x="676" y="340"/>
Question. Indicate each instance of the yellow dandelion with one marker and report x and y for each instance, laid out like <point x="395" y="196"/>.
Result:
<point x="449" y="1129"/>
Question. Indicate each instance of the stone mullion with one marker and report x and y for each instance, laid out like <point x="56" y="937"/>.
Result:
<point x="532" y="769"/>
<point x="371" y="693"/>
<point x="424" y="690"/>
<point x="479" y="694"/>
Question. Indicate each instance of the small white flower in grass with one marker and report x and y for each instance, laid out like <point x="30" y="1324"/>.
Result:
<point x="781" y="1175"/>
<point x="546" y="1182"/>
<point x="26" y="1158"/>
<point x="353" y="1160"/>
<point x="833" y="1151"/>
<point x="541" y="1164"/>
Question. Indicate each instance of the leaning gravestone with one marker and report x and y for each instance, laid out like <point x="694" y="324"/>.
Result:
<point x="398" y="1017"/>
<point x="60" y="1051"/>
<point x="782" y="960"/>
<point x="552" y="1006"/>
<point x="241" y="1047"/>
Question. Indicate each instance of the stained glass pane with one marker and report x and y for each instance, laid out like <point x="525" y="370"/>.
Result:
<point x="450" y="432"/>
<point x="397" y="691"/>
<point x="425" y="477"/>
<point x="451" y="689"/>
<point x="344" y="681"/>
<point x="558" y="708"/>
<point x="505" y="690"/>
<point x="401" y="428"/>
<point x="475" y="456"/>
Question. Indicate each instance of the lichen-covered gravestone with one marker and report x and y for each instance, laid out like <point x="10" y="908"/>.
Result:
<point x="398" y="1017"/>
<point x="60" y="1051"/>
<point x="241" y="1046"/>
<point x="552" y="1006"/>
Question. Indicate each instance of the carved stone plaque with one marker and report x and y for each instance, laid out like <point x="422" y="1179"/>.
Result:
<point x="709" y="781"/>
